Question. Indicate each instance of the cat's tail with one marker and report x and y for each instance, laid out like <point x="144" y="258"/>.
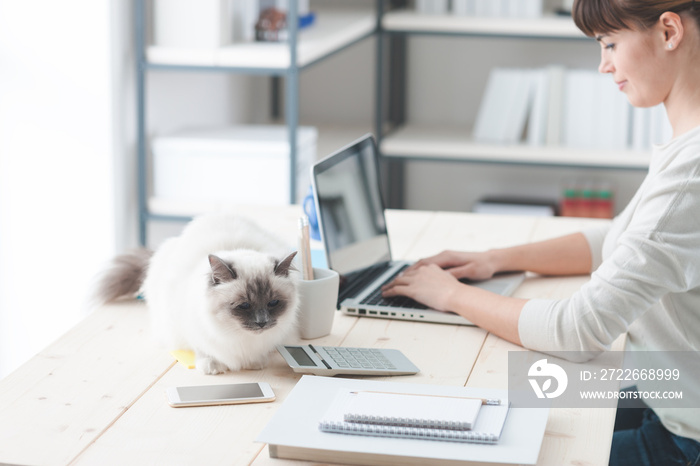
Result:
<point x="122" y="278"/>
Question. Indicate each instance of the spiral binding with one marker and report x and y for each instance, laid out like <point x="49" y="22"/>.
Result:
<point x="407" y="422"/>
<point x="407" y="432"/>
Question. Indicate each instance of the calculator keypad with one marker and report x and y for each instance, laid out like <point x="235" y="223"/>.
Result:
<point x="358" y="358"/>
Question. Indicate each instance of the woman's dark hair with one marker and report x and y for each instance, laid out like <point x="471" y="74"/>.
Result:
<point x="604" y="16"/>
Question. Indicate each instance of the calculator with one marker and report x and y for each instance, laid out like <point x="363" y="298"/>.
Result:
<point x="335" y="360"/>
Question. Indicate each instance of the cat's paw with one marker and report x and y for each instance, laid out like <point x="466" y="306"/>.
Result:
<point x="210" y="366"/>
<point x="256" y="366"/>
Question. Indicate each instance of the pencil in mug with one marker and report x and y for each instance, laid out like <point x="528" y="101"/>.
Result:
<point x="484" y="401"/>
<point x="305" y="249"/>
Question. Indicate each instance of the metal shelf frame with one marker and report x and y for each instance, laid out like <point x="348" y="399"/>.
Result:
<point x="290" y="74"/>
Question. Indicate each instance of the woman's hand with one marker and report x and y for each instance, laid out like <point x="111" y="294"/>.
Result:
<point x="441" y="290"/>
<point x="427" y="284"/>
<point x="471" y="265"/>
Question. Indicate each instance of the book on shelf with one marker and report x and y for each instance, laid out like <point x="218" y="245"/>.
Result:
<point x="531" y="8"/>
<point x="515" y="119"/>
<point x="612" y="125"/>
<point x="537" y="118"/>
<point x="464" y="7"/>
<point x="641" y="127"/>
<point x="579" y="109"/>
<point x="294" y="430"/>
<point x="504" y="108"/>
<point x="510" y="9"/>
<point x="596" y="114"/>
<point x="488" y="9"/>
<point x="555" y="81"/>
<point x="497" y="8"/>
<point x="440" y="7"/>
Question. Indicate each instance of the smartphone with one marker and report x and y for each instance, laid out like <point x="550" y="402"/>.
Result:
<point x="225" y="394"/>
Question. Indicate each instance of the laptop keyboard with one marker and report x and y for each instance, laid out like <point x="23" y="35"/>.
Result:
<point x="376" y="298"/>
<point x="360" y="281"/>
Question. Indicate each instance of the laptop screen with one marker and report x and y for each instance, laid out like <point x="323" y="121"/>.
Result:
<point x="351" y="208"/>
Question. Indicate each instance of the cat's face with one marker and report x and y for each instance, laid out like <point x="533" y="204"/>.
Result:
<point x="253" y="291"/>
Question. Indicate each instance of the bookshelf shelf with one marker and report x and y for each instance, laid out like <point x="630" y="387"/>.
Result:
<point x="333" y="31"/>
<point x="415" y="142"/>
<point x="551" y="27"/>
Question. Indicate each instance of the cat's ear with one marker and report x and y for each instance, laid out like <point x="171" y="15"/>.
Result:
<point x="282" y="268"/>
<point x="220" y="271"/>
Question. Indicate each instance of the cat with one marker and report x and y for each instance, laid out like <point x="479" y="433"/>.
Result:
<point x="225" y="289"/>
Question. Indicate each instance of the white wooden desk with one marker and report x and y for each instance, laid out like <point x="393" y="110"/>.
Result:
<point x="95" y="396"/>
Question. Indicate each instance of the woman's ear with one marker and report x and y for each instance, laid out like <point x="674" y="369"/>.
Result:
<point x="671" y="29"/>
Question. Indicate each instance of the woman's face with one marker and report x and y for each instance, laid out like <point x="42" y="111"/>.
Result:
<point x="635" y="59"/>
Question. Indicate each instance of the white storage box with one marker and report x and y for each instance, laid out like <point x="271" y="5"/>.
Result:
<point x="239" y="164"/>
<point x="192" y="23"/>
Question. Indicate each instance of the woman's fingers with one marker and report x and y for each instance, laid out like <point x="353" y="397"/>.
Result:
<point x="396" y="290"/>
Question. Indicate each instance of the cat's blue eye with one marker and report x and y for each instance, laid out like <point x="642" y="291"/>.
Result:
<point x="273" y="303"/>
<point x="243" y="306"/>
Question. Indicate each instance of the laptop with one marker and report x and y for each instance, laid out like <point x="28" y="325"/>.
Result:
<point x="353" y="229"/>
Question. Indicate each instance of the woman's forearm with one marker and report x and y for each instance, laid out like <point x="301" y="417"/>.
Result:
<point x="565" y="255"/>
<point x="492" y="312"/>
<point x="433" y="281"/>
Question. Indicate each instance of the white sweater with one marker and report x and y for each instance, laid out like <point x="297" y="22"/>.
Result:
<point x="645" y="280"/>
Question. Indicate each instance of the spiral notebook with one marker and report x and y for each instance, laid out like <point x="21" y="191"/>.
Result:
<point x="293" y="431"/>
<point x="406" y="410"/>
<point x="399" y="415"/>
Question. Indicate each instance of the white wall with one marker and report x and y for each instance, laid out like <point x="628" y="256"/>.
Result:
<point x="67" y="155"/>
<point x="57" y="203"/>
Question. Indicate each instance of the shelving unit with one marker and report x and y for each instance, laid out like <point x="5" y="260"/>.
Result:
<point x="410" y="22"/>
<point x="332" y="33"/>
<point x="399" y="141"/>
<point x="414" y="142"/>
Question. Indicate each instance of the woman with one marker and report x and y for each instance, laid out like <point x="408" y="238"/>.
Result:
<point x="646" y="264"/>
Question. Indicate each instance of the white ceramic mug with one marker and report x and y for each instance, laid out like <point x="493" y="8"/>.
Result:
<point x="318" y="300"/>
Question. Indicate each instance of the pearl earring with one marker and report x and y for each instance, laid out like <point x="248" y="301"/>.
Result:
<point x="670" y="45"/>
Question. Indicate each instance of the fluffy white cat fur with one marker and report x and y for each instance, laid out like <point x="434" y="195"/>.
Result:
<point x="225" y="289"/>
